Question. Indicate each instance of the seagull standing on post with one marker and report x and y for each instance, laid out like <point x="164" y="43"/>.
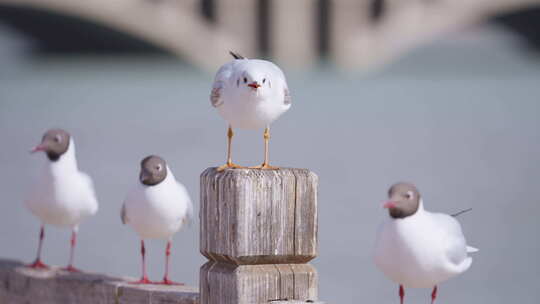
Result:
<point x="416" y="248"/>
<point x="157" y="207"/>
<point x="250" y="94"/>
<point x="63" y="195"/>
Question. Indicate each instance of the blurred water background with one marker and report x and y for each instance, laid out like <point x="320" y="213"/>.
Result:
<point x="459" y="117"/>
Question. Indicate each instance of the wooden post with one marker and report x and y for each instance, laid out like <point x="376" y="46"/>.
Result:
<point x="258" y="230"/>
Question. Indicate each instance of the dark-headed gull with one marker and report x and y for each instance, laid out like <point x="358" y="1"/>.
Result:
<point x="63" y="196"/>
<point x="156" y="208"/>
<point x="416" y="248"/>
<point x="250" y="94"/>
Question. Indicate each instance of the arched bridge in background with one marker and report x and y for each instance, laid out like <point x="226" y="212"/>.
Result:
<point x="350" y="33"/>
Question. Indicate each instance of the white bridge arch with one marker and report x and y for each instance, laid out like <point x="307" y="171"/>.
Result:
<point x="355" y="41"/>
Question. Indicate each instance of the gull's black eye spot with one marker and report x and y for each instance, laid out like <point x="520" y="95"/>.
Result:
<point x="57" y="138"/>
<point x="409" y="195"/>
<point x="264" y="80"/>
<point x="245" y="80"/>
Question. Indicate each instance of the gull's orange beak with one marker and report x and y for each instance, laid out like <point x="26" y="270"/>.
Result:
<point x="254" y="85"/>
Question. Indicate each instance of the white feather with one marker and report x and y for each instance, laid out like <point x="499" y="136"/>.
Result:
<point x="471" y="249"/>
<point x="63" y="196"/>
<point x="243" y="107"/>
<point x="421" y="250"/>
<point x="158" y="211"/>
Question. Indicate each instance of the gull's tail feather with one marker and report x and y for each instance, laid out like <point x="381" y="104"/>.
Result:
<point x="471" y="249"/>
<point x="461" y="212"/>
<point x="461" y="267"/>
<point x="236" y="55"/>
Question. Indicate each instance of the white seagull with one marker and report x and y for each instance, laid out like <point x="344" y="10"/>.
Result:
<point x="417" y="248"/>
<point x="156" y="208"/>
<point x="250" y="94"/>
<point x="63" y="196"/>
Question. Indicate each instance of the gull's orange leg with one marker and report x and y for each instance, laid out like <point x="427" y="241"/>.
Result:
<point x="229" y="164"/>
<point x="265" y="165"/>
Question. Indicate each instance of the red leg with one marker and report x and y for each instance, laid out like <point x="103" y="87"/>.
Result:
<point x="37" y="264"/>
<point x="434" y="295"/>
<point x="72" y="252"/>
<point x="144" y="279"/>
<point x="401" y="293"/>
<point x="166" y="280"/>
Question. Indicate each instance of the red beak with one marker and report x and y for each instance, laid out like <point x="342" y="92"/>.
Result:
<point x="389" y="205"/>
<point x="254" y="85"/>
<point x="38" y="148"/>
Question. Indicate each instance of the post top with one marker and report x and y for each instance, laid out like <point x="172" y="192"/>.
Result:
<point x="254" y="216"/>
<point x="248" y="172"/>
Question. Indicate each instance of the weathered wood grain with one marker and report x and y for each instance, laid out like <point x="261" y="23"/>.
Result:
<point x="224" y="283"/>
<point x="258" y="229"/>
<point x="259" y="216"/>
<point x="19" y="284"/>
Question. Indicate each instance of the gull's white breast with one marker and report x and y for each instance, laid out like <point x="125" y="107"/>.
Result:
<point x="421" y="250"/>
<point x="247" y="109"/>
<point x="157" y="211"/>
<point x="63" y="195"/>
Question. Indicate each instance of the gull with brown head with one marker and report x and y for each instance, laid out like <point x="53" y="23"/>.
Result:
<point x="63" y="196"/>
<point x="417" y="248"/>
<point x="156" y="207"/>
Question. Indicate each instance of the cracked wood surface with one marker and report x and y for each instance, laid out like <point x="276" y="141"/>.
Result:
<point x="19" y="284"/>
<point x="258" y="229"/>
<point x="223" y="283"/>
<point x="251" y="216"/>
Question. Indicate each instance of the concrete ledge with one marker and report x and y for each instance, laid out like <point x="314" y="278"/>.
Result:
<point x="19" y="284"/>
